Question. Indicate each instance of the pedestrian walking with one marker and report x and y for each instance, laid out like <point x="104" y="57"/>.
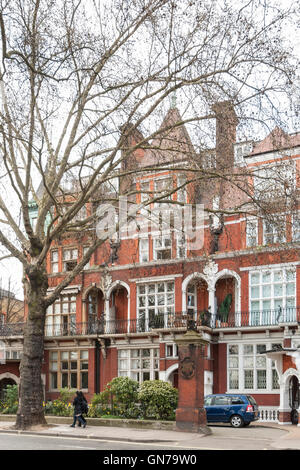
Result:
<point x="80" y="407"/>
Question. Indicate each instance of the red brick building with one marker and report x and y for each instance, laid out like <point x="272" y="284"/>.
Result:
<point x="121" y="315"/>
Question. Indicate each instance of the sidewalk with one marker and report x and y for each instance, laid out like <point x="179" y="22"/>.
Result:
<point x="289" y="440"/>
<point x="107" y="433"/>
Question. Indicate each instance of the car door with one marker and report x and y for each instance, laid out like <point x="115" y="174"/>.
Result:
<point x="219" y="409"/>
<point x="208" y="402"/>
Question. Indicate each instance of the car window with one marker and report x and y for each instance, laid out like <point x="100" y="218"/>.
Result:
<point x="222" y="401"/>
<point x="208" y="401"/>
<point x="251" y="400"/>
<point x="237" y="401"/>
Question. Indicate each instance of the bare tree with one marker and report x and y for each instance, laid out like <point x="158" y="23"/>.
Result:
<point x="78" y="80"/>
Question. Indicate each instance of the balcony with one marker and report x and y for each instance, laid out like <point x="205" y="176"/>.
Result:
<point x="175" y="321"/>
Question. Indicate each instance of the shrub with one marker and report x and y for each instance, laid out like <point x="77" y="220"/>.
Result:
<point x="66" y="395"/>
<point x="158" y="399"/>
<point x="124" y="392"/>
<point x="11" y="400"/>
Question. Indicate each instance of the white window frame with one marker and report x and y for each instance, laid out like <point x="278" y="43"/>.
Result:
<point x="128" y="360"/>
<point x="149" y="297"/>
<point x="144" y="250"/>
<point x="73" y="258"/>
<point x="251" y="232"/>
<point x="242" y="367"/>
<point x="277" y="236"/>
<point x="54" y="263"/>
<point x="181" y="245"/>
<point x="171" y="351"/>
<point x="271" y="277"/>
<point x="164" y="246"/>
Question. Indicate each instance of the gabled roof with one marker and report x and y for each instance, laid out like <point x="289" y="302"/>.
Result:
<point x="276" y="140"/>
<point x="172" y="143"/>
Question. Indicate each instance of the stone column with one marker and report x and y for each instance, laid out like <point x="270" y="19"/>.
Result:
<point x="190" y="414"/>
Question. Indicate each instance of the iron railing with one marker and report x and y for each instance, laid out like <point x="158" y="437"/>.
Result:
<point x="178" y="320"/>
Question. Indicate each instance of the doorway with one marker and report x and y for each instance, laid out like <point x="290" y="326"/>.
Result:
<point x="294" y="398"/>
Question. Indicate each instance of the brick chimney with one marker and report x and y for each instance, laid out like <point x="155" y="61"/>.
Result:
<point x="226" y="122"/>
<point x="130" y="159"/>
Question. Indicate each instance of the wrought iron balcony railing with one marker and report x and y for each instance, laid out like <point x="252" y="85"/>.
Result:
<point x="178" y="320"/>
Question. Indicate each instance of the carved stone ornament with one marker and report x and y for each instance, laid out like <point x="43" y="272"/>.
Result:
<point x="210" y="269"/>
<point x="105" y="282"/>
<point x="187" y="368"/>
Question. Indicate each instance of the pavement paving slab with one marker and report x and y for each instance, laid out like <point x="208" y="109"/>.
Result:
<point x="287" y="438"/>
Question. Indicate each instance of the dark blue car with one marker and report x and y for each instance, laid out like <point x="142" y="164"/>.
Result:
<point x="237" y="409"/>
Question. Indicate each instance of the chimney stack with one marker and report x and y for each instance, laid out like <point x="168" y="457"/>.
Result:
<point x="226" y="122"/>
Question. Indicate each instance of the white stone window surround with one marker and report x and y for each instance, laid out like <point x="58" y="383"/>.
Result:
<point x="155" y="299"/>
<point x="138" y="363"/>
<point x="241" y="367"/>
<point x="272" y="287"/>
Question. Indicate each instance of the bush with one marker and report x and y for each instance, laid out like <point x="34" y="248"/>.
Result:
<point x="124" y="391"/>
<point x="11" y="400"/>
<point x="66" y="395"/>
<point x="158" y="399"/>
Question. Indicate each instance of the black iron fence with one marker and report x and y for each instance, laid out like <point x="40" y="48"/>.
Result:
<point x="178" y="320"/>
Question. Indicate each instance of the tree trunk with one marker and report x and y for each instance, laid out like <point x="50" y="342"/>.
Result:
<point x="30" y="411"/>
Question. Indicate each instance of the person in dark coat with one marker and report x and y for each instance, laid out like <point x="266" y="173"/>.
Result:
<point x="80" y="407"/>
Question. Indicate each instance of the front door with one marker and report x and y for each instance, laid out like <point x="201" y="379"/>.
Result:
<point x="294" y="398"/>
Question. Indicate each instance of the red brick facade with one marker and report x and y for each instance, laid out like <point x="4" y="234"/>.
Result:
<point x="125" y="289"/>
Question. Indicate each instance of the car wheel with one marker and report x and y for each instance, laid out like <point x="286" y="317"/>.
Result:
<point x="236" y="421"/>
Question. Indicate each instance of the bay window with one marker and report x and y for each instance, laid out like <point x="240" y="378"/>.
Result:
<point x="248" y="369"/>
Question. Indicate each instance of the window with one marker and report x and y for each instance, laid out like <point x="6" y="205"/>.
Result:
<point x="249" y="369"/>
<point x="144" y="250"/>
<point x="88" y="264"/>
<point x="54" y="261"/>
<point x="296" y="227"/>
<point x="154" y="303"/>
<point x="61" y="317"/>
<point x="163" y="187"/>
<point x="181" y="193"/>
<point x="69" y="369"/>
<point x="181" y="245"/>
<point x="272" y="296"/>
<point x="254" y="367"/>
<point x="233" y="366"/>
<point x="191" y="299"/>
<point x="171" y="350"/>
<point x="162" y="247"/>
<point x="222" y="401"/>
<point x="251" y="233"/>
<point x="70" y="256"/>
<point x="139" y="364"/>
<point x="274" y="231"/>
